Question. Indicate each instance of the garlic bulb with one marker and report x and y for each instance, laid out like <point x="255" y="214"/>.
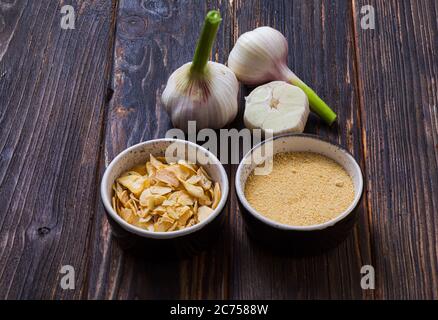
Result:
<point x="278" y="106"/>
<point x="211" y="102"/>
<point x="201" y="90"/>
<point x="260" y="56"/>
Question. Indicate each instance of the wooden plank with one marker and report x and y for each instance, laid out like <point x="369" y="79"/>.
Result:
<point x="52" y="88"/>
<point x="321" y="52"/>
<point x="397" y="77"/>
<point x="153" y="39"/>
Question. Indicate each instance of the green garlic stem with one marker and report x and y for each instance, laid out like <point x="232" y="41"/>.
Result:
<point x="317" y="105"/>
<point x="205" y="42"/>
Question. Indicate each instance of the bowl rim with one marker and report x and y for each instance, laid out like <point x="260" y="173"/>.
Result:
<point x="278" y="225"/>
<point x="171" y="234"/>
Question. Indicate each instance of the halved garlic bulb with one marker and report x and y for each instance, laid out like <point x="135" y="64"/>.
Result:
<point x="278" y="106"/>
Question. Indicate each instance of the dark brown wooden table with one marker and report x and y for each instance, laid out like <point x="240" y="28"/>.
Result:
<point x="70" y="100"/>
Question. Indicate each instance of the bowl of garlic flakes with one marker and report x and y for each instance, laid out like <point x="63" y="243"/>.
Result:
<point x="165" y="196"/>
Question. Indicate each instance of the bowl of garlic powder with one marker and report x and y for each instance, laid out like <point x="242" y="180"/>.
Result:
<point x="298" y="193"/>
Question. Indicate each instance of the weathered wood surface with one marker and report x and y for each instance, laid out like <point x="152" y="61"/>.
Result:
<point x="60" y="127"/>
<point x="398" y="68"/>
<point x="52" y="88"/>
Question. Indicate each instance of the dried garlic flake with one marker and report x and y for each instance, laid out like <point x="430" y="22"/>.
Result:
<point x="164" y="197"/>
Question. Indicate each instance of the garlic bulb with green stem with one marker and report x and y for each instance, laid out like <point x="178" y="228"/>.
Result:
<point x="260" y="56"/>
<point x="202" y="90"/>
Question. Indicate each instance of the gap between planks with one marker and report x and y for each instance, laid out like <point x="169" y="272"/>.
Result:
<point x="361" y="114"/>
<point x="108" y="75"/>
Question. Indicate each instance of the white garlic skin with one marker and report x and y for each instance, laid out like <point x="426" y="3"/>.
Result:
<point x="212" y="108"/>
<point x="260" y="56"/>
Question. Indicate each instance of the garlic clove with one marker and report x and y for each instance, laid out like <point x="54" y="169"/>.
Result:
<point x="277" y="106"/>
<point x="255" y="115"/>
<point x="262" y="95"/>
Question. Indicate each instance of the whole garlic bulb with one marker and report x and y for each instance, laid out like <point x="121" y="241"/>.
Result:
<point x="260" y="56"/>
<point x="201" y="90"/>
<point x="211" y="102"/>
<point x="257" y="55"/>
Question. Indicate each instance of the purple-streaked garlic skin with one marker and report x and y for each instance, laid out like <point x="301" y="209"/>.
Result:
<point x="210" y="100"/>
<point x="260" y="56"/>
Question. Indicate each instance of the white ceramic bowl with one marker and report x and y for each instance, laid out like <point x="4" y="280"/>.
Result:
<point x="139" y="154"/>
<point x="299" y="235"/>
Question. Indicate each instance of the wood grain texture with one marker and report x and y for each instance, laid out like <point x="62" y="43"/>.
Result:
<point x="398" y="67"/>
<point x="71" y="100"/>
<point x="52" y="88"/>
